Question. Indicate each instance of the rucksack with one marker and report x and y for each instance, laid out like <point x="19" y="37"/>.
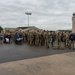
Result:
<point x="71" y="37"/>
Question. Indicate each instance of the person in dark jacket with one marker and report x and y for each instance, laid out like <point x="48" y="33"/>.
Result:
<point x="71" y="38"/>
<point x="18" y="38"/>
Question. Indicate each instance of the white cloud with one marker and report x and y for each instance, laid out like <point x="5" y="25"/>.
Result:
<point x="46" y="14"/>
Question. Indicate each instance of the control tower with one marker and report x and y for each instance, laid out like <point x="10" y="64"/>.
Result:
<point x="73" y="23"/>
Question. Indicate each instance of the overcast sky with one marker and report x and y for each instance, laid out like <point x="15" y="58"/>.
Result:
<point x="46" y="14"/>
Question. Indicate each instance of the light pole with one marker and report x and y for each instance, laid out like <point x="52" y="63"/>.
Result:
<point x="28" y="13"/>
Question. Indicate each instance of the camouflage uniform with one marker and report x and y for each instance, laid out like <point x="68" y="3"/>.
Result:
<point x="34" y="37"/>
<point x="47" y="39"/>
<point x="42" y="39"/>
<point x="28" y="37"/>
<point x="25" y="38"/>
<point x="31" y="38"/>
<point x="37" y="39"/>
<point x="12" y="37"/>
<point x="64" y="39"/>
<point x="58" y="39"/>
<point x="67" y="38"/>
<point x="23" y="35"/>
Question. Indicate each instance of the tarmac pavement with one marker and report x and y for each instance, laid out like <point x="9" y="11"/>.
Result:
<point x="58" y="64"/>
<point x="29" y="60"/>
<point x="12" y="52"/>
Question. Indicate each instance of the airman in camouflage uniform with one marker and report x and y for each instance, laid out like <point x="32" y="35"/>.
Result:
<point x="47" y="39"/>
<point x="58" y="39"/>
<point x="28" y="37"/>
<point x="12" y="36"/>
<point x="37" y="39"/>
<point x="34" y="37"/>
<point x="64" y="39"/>
<point x="42" y="40"/>
<point x="31" y="38"/>
<point x="67" y="39"/>
<point x="23" y="36"/>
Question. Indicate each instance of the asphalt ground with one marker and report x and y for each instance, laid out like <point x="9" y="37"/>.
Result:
<point x="57" y="64"/>
<point x="12" y="52"/>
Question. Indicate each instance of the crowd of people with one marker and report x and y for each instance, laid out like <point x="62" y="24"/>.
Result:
<point x="37" y="38"/>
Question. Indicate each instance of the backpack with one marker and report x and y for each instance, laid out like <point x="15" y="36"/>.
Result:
<point x="71" y="37"/>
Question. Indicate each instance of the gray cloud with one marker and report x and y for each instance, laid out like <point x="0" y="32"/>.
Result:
<point x="46" y="14"/>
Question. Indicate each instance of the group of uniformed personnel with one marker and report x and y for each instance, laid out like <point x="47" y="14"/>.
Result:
<point x="45" y="38"/>
<point x="36" y="38"/>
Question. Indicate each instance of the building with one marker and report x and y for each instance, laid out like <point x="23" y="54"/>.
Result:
<point x="30" y="28"/>
<point x="10" y="29"/>
<point x="73" y="23"/>
<point x="24" y="29"/>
